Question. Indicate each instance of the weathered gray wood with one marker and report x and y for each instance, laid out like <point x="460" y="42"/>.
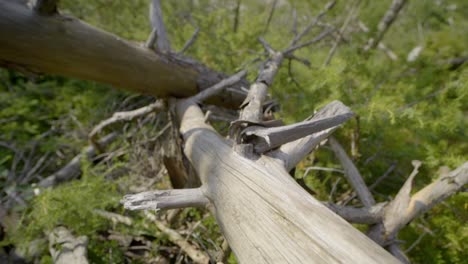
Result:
<point x="265" y="139"/>
<point x="73" y="169"/>
<point x="67" y="249"/>
<point x="165" y="199"/>
<point x="157" y="23"/>
<point x="363" y="215"/>
<point x="67" y="46"/>
<point x="292" y="153"/>
<point x="352" y="174"/>
<point x="404" y="208"/>
<point x="263" y="213"/>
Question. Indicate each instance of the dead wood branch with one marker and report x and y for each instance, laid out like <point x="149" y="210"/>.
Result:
<point x="352" y="174"/>
<point x="123" y="117"/>
<point x="365" y="215"/>
<point x="207" y="93"/>
<point x="190" y="42"/>
<point x="37" y="43"/>
<point x="196" y="255"/>
<point x="73" y="168"/>
<point x="156" y="17"/>
<point x="265" y="139"/>
<point x="165" y="199"/>
<point x="312" y="23"/>
<point x="66" y="249"/>
<point x="242" y="192"/>
<point x="385" y="23"/>
<point x="292" y="153"/>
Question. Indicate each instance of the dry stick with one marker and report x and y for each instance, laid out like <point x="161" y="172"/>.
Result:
<point x="352" y="174"/>
<point x="66" y="248"/>
<point x="265" y="139"/>
<point x="270" y="16"/>
<point x="236" y="17"/>
<point x="124" y="117"/>
<point x="196" y="255"/>
<point x="293" y="152"/>
<point x="190" y="42"/>
<point x="165" y="199"/>
<point x="339" y="37"/>
<point x="158" y="24"/>
<point x="73" y="168"/>
<point x="381" y="45"/>
<point x="363" y="215"/>
<point x="385" y="23"/>
<point x="45" y="7"/>
<point x="375" y="184"/>
<point x="314" y="22"/>
<point x="205" y="94"/>
<point x="152" y="39"/>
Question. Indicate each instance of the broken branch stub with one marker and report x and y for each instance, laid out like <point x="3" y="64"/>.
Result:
<point x="265" y="139"/>
<point x="165" y="199"/>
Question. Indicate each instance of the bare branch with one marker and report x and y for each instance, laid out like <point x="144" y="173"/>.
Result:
<point x="265" y="139"/>
<point x="73" y="168"/>
<point x="205" y="94"/>
<point x="321" y="36"/>
<point x="385" y="23"/>
<point x="45" y="7"/>
<point x="236" y="16"/>
<point x="364" y="215"/>
<point x="397" y="208"/>
<point x="158" y="24"/>
<point x="123" y="117"/>
<point x="115" y="218"/>
<point x="339" y="37"/>
<point x="66" y="248"/>
<point x="165" y="199"/>
<point x="196" y="255"/>
<point x="190" y="42"/>
<point x="270" y="16"/>
<point x="314" y="22"/>
<point x="151" y="39"/>
<point x="293" y="152"/>
<point x="352" y="174"/>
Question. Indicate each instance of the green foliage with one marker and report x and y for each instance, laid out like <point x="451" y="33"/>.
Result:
<point x="71" y="205"/>
<point x="406" y="110"/>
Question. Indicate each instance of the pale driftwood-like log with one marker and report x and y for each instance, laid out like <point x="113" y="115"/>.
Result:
<point x="66" y="249"/>
<point x="292" y="153"/>
<point x="365" y="215"/>
<point x="73" y="169"/>
<point x="352" y="174"/>
<point x="70" y="47"/>
<point x="124" y="116"/>
<point x="165" y="199"/>
<point x="264" y="214"/>
<point x="45" y="7"/>
<point x="265" y="139"/>
<point x="162" y="41"/>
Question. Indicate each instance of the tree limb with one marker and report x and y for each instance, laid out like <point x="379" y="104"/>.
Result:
<point x="165" y="199"/>
<point x="352" y="174"/>
<point x="293" y="152"/>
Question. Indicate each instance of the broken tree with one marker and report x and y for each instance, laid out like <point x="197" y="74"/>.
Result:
<point x="264" y="214"/>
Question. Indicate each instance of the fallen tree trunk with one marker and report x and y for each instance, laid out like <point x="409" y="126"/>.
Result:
<point x="264" y="214"/>
<point x="63" y="45"/>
